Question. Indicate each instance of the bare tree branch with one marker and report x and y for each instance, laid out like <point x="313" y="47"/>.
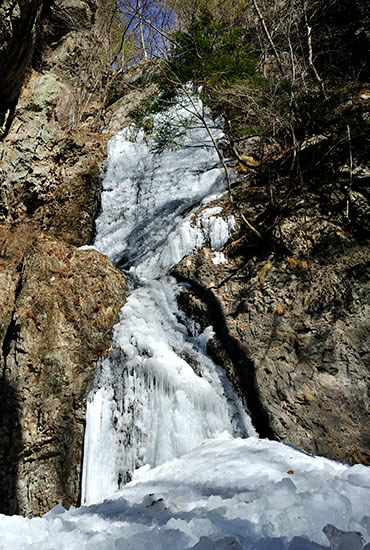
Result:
<point x="310" y="53"/>
<point x="268" y="35"/>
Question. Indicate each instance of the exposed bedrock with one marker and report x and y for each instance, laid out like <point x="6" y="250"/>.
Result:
<point x="59" y="306"/>
<point x="293" y="333"/>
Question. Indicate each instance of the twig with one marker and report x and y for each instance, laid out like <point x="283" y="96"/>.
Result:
<point x="268" y="35"/>
<point x="350" y="171"/>
<point x="310" y="53"/>
<point x="249" y="225"/>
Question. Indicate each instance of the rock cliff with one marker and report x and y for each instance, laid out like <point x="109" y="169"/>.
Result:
<point x="18" y="32"/>
<point x="58" y="304"/>
<point x="290" y="308"/>
<point x="50" y="155"/>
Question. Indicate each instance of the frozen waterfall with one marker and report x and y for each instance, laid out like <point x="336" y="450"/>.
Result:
<point x="158" y="394"/>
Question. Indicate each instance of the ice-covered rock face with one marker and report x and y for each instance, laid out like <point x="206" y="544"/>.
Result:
<point x="145" y="222"/>
<point x="158" y="394"/>
<point x="341" y="540"/>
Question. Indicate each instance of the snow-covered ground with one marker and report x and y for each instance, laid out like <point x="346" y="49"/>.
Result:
<point x="227" y="493"/>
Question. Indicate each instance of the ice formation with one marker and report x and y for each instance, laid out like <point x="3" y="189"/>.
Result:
<point x="147" y="198"/>
<point x="158" y="394"/>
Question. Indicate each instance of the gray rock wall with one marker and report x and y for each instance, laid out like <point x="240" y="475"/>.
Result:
<point x="291" y="315"/>
<point x="58" y="304"/>
<point x="50" y="152"/>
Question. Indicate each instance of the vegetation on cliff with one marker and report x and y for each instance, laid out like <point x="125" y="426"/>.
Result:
<point x="289" y="80"/>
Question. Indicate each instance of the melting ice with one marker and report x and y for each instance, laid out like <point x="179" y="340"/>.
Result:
<point x="158" y="395"/>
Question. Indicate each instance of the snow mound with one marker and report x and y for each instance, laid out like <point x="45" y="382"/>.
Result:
<point x="241" y="494"/>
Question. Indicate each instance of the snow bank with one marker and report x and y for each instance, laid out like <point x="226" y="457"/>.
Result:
<point x="225" y="494"/>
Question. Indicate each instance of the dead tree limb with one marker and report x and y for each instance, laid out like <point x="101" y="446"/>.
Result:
<point x="350" y="172"/>
<point x="200" y="116"/>
<point x="310" y="52"/>
<point x="269" y="37"/>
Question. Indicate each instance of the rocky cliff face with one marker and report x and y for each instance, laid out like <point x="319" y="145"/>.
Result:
<point x="58" y="304"/>
<point x="290" y="308"/>
<point x="50" y="155"/>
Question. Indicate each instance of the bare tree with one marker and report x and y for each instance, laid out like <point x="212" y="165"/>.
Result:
<point x="152" y="20"/>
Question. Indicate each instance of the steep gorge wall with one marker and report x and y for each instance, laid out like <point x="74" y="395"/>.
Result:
<point x="291" y="309"/>
<point x="290" y="313"/>
<point x="50" y="158"/>
<point x="58" y="303"/>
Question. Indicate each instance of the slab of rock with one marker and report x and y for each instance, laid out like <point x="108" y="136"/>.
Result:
<point x="48" y="173"/>
<point x="70" y="15"/>
<point x="343" y="540"/>
<point x="60" y="306"/>
<point x="292" y="333"/>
